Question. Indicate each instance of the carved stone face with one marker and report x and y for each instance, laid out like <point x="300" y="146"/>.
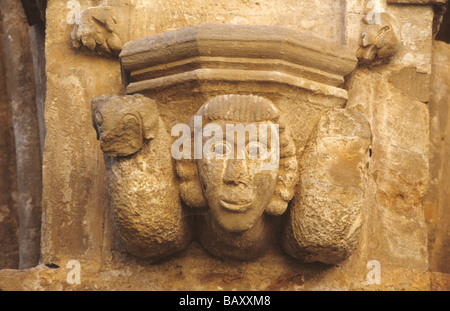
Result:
<point x="238" y="188"/>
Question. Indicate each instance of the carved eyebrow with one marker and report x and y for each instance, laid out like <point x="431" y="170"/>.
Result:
<point x="132" y="115"/>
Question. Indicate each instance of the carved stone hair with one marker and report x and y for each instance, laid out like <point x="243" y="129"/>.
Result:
<point x="243" y="108"/>
<point x="239" y="108"/>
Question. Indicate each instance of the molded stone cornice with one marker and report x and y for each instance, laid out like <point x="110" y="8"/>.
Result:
<point x="236" y="53"/>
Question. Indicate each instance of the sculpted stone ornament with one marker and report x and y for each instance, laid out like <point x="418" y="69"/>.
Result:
<point x="238" y="195"/>
<point x="326" y="214"/>
<point x="145" y="202"/>
<point x="240" y="190"/>
<point x="97" y="30"/>
<point x="267" y="154"/>
<point x="379" y="41"/>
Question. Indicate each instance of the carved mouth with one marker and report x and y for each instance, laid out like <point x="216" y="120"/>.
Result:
<point x="235" y="207"/>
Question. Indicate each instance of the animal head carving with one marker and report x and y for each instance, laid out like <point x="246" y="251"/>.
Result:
<point x="379" y="41"/>
<point x="123" y="123"/>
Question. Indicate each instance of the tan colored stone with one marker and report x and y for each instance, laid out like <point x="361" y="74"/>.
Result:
<point x="145" y="201"/>
<point x="184" y="273"/>
<point x="379" y="40"/>
<point x="437" y="208"/>
<point x="412" y="83"/>
<point x="78" y="223"/>
<point x="325" y="217"/>
<point x="155" y="17"/>
<point x="399" y="152"/>
<point x="413" y="28"/>
<point x="440" y="281"/>
<point x="235" y="192"/>
<point x="100" y="29"/>
<point x="241" y="190"/>
<point x="398" y="169"/>
<point x="234" y="53"/>
<point x="416" y="1"/>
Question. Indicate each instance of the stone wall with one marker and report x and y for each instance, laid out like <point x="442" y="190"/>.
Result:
<point x="436" y="203"/>
<point x="9" y="223"/>
<point x="404" y="230"/>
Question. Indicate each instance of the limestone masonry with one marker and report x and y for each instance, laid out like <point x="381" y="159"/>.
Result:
<point x="225" y="145"/>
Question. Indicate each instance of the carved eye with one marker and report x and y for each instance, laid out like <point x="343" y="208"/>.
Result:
<point x="221" y="149"/>
<point x="98" y="119"/>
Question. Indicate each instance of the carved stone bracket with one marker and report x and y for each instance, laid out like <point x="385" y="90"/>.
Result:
<point x="229" y="75"/>
<point x="235" y="53"/>
<point x="379" y="41"/>
<point x="100" y="30"/>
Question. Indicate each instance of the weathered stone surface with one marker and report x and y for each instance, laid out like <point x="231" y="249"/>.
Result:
<point x="326" y="215"/>
<point x="79" y="225"/>
<point x="97" y="29"/>
<point x="412" y="83"/>
<point x="141" y="176"/>
<point x="414" y="25"/>
<point x="379" y="40"/>
<point x="242" y="50"/>
<point x="398" y="170"/>
<point x="37" y="43"/>
<point x="236" y="191"/>
<point x="416" y="1"/>
<point x="439" y="7"/>
<point x="400" y="128"/>
<point x="9" y="222"/>
<point x="436" y="203"/>
<point x="155" y="17"/>
<point x="184" y="273"/>
<point x="20" y="82"/>
<point x="240" y="191"/>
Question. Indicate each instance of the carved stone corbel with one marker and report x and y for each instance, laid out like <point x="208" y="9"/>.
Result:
<point x="100" y="29"/>
<point x="145" y="203"/>
<point x="239" y="76"/>
<point x="379" y="41"/>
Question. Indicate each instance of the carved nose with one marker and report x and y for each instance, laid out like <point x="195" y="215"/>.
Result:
<point x="236" y="172"/>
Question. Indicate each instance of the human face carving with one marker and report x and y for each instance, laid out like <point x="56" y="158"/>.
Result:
<point x="237" y="188"/>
